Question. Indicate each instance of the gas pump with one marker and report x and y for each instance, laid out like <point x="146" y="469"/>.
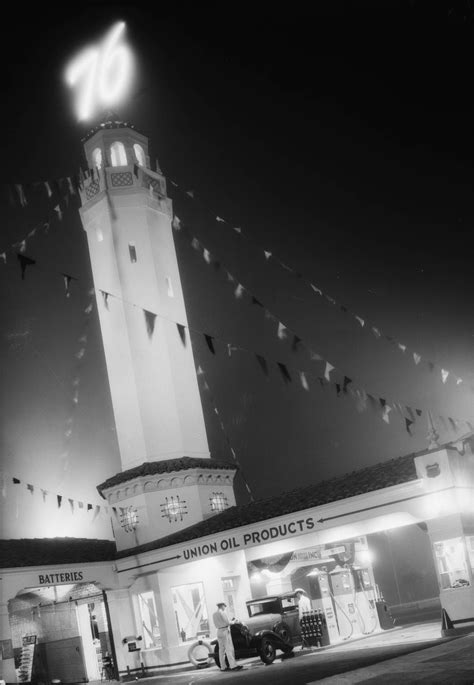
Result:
<point x="343" y="594"/>
<point x="320" y="595"/>
<point x="364" y="598"/>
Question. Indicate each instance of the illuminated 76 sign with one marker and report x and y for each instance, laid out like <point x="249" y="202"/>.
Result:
<point x="101" y="74"/>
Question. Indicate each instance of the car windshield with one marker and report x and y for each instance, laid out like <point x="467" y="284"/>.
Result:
<point x="267" y="606"/>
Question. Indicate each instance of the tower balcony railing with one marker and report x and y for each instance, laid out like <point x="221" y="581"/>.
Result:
<point x="127" y="176"/>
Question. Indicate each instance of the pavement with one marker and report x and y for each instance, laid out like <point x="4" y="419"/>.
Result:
<point x="406" y="654"/>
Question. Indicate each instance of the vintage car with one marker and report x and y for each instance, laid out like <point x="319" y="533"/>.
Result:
<point x="272" y="625"/>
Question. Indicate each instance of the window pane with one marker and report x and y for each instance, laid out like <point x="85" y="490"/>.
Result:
<point x="450" y="555"/>
<point x="190" y="611"/>
<point x="151" y="629"/>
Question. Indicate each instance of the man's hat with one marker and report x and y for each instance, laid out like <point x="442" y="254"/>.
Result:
<point x="300" y="589"/>
<point x="221" y="604"/>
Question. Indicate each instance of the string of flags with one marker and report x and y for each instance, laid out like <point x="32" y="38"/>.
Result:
<point x="283" y="331"/>
<point x="362" y="322"/>
<point x="202" y="376"/>
<point x="62" y="502"/>
<point x="76" y="380"/>
<point x="343" y="386"/>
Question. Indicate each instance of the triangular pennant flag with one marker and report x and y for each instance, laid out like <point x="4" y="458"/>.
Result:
<point x="24" y="262"/>
<point x="209" y="340"/>
<point x="67" y="281"/>
<point x="176" y="223"/>
<point x="96" y="512"/>
<point x="89" y="507"/>
<point x="284" y="372"/>
<point x="327" y="371"/>
<point x="190" y="193"/>
<point x="22" y="245"/>
<point x="30" y="487"/>
<point x="267" y="254"/>
<point x="21" y="194"/>
<point x="89" y="308"/>
<point x="382" y="402"/>
<point x="48" y="189"/>
<point x="338" y="389"/>
<point x="416" y="358"/>
<point x="347" y="381"/>
<point x="295" y="343"/>
<point x="419" y="412"/>
<point x="386" y="410"/>
<point x="230" y="277"/>
<point x="282" y="331"/>
<point x="304" y="381"/>
<point x="402" y="347"/>
<point x="60" y="499"/>
<point x="80" y="353"/>
<point x="360" y="320"/>
<point x="237" y="229"/>
<point x="315" y="357"/>
<point x="195" y="244"/>
<point x="444" y="375"/>
<point x="220" y="219"/>
<point x="59" y="212"/>
<point x="44" y="494"/>
<point x="182" y="333"/>
<point x="239" y="291"/>
<point x="408" y="423"/>
<point x="199" y="371"/>
<point x="71" y="504"/>
<point x="376" y="332"/>
<point x="458" y="380"/>
<point x="105" y="297"/>
<point x="205" y="385"/>
<point x="263" y="364"/>
<point x="16" y="481"/>
<point x="150" y="318"/>
<point x="3" y="256"/>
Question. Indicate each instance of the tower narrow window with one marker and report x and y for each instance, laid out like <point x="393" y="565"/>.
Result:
<point x="118" y="155"/>
<point x="169" y="287"/>
<point x="97" y="158"/>
<point x="139" y="154"/>
<point x="133" y="252"/>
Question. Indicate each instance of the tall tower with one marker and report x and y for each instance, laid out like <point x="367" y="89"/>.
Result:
<point x="127" y="217"/>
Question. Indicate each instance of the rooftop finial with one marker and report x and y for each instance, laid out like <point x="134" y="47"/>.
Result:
<point x="433" y="435"/>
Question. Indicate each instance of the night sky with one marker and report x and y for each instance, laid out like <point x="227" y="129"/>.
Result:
<point x="341" y="139"/>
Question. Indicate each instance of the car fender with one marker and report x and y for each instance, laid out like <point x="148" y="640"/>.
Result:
<point x="271" y="635"/>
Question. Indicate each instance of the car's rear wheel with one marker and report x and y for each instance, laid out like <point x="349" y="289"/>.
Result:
<point x="216" y="657"/>
<point x="267" y="651"/>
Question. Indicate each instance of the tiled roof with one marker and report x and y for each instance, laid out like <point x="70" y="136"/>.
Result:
<point x="379" y="476"/>
<point x="151" y="468"/>
<point x="49" y="551"/>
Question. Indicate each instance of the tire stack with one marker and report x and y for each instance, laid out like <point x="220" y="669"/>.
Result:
<point x="313" y="628"/>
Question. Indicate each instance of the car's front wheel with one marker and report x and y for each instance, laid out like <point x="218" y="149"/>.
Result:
<point x="267" y="651"/>
<point x="283" y="632"/>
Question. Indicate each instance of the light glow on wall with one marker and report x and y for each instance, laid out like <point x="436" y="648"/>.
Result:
<point x="101" y="75"/>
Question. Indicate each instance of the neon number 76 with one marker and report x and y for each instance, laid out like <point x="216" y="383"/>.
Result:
<point x="101" y="74"/>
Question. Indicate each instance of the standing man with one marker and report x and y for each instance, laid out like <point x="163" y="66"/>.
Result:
<point x="304" y="603"/>
<point x="224" y="638"/>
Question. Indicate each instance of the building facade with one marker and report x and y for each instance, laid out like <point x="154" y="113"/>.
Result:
<point x="69" y="607"/>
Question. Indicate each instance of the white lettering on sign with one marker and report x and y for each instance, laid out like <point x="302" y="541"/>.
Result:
<point x="54" y="578"/>
<point x="101" y="75"/>
<point x="256" y="537"/>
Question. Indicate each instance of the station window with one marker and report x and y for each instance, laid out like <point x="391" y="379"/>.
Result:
<point x="132" y="252"/>
<point x="190" y="611"/>
<point x="118" y="156"/>
<point x="218" y="502"/>
<point x="97" y="158"/>
<point x="450" y="555"/>
<point x="169" y="287"/>
<point x="139" y="154"/>
<point x="150" y="625"/>
<point x="174" y="508"/>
